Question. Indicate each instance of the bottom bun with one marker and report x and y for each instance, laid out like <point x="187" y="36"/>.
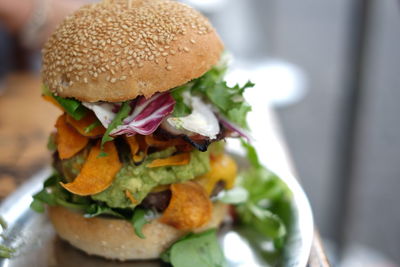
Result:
<point x="116" y="239"/>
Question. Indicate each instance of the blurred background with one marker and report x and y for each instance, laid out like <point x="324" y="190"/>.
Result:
<point x="331" y="71"/>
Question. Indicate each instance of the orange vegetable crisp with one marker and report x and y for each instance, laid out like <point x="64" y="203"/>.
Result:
<point x="138" y="147"/>
<point x="81" y="125"/>
<point x="69" y="141"/>
<point x="97" y="173"/>
<point x="189" y="207"/>
<point x="175" y="160"/>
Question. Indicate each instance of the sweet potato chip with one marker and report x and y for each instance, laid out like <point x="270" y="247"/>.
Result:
<point x="175" y="160"/>
<point x="138" y="147"/>
<point x="133" y="144"/>
<point x="222" y="168"/>
<point x="69" y="141"/>
<point x="88" y="126"/>
<point x="189" y="207"/>
<point x="97" y="173"/>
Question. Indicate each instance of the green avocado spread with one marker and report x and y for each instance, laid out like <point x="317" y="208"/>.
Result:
<point x="140" y="180"/>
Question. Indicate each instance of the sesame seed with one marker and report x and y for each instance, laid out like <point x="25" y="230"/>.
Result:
<point x="168" y="67"/>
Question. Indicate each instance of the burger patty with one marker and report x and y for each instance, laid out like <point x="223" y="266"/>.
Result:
<point x="160" y="200"/>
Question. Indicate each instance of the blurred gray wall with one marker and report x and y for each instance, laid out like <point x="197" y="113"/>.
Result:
<point x="315" y="35"/>
<point x="375" y="220"/>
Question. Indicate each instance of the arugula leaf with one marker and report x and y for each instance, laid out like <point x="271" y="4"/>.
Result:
<point x="236" y="195"/>
<point x="73" y="107"/>
<point x="263" y="220"/>
<point x="94" y="210"/>
<point x="6" y="252"/>
<point x="122" y="114"/>
<point x="180" y="108"/>
<point x="269" y="200"/>
<point x="37" y="205"/>
<point x="89" y="128"/>
<point x="3" y="223"/>
<point x="54" y="194"/>
<point x="138" y="221"/>
<point x="52" y="180"/>
<point x="228" y="100"/>
<point x="196" y="250"/>
<point x="251" y="154"/>
<point x="45" y="197"/>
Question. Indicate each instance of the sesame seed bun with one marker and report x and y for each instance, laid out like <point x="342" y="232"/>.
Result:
<point x="117" y="50"/>
<point x="116" y="239"/>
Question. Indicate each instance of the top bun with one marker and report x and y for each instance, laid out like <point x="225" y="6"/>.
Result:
<point x="117" y="50"/>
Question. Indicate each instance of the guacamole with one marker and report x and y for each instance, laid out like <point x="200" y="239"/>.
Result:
<point x="140" y="180"/>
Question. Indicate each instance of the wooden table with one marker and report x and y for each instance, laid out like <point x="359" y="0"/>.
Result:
<point x="25" y="123"/>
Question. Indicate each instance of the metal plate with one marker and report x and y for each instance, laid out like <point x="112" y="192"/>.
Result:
<point x="38" y="245"/>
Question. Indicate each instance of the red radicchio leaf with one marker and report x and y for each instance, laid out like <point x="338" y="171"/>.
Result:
<point x="227" y="124"/>
<point x="146" y="115"/>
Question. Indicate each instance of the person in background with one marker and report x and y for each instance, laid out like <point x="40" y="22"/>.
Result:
<point x="25" y="25"/>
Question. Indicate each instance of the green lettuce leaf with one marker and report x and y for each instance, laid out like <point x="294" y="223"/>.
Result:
<point x="96" y="209"/>
<point x="53" y="194"/>
<point x="122" y="114"/>
<point x="73" y="107"/>
<point x="180" y="109"/>
<point x="196" y="250"/>
<point x="3" y="223"/>
<point x="89" y="128"/>
<point x="6" y="252"/>
<point x="228" y="100"/>
<point x="139" y="219"/>
<point x="237" y="195"/>
<point x="268" y="206"/>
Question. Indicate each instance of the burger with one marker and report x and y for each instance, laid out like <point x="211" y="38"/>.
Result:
<point x="138" y="152"/>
